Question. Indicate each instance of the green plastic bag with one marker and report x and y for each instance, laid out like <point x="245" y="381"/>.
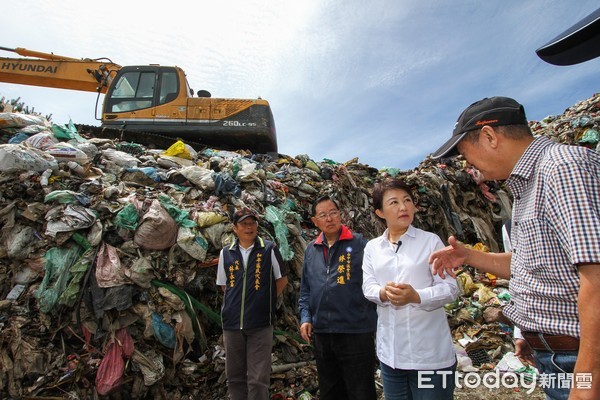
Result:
<point x="78" y="271"/>
<point x="128" y="217"/>
<point x="180" y="216"/>
<point x="68" y="132"/>
<point x="277" y="217"/>
<point x="62" y="196"/>
<point x="57" y="274"/>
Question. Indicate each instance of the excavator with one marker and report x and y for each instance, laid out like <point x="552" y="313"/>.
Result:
<point x="149" y="104"/>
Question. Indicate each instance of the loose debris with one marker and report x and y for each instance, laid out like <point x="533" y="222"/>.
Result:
<point x="108" y="255"/>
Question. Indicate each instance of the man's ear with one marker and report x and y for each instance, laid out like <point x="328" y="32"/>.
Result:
<point x="489" y="136"/>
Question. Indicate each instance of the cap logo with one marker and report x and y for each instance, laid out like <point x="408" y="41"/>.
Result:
<point x="486" y="122"/>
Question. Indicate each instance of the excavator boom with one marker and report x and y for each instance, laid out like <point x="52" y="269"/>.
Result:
<point x="51" y="70"/>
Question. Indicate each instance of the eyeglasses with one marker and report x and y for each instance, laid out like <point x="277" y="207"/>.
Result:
<point x="331" y="214"/>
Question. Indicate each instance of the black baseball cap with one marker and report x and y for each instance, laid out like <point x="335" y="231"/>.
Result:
<point x="492" y="111"/>
<point x="242" y="214"/>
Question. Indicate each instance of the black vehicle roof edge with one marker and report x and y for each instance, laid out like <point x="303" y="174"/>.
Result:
<point x="579" y="43"/>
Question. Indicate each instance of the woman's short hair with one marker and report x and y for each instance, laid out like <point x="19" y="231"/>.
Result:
<point x="386" y="185"/>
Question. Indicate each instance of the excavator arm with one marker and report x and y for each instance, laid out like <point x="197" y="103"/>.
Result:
<point x="51" y="70"/>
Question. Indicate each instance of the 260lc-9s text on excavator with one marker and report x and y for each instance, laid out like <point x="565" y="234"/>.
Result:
<point x="150" y="104"/>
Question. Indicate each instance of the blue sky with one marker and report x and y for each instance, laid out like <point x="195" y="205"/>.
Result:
<point x="383" y="80"/>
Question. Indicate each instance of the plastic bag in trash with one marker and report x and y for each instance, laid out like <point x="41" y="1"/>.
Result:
<point x="163" y="331"/>
<point x="277" y="217"/>
<point x="16" y="157"/>
<point x="70" y="295"/>
<point x="58" y="261"/>
<point x="205" y="219"/>
<point x="225" y="185"/>
<point x="18" y="120"/>
<point x="192" y="242"/>
<point x="110" y="372"/>
<point x="199" y="176"/>
<point x="41" y="140"/>
<point x="63" y="151"/>
<point x="157" y="230"/>
<point x="18" y="138"/>
<point x="180" y="216"/>
<point x="151" y="365"/>
<point x="66" y="132"/>
<point x="511" y="363"/>
<point x="109" y="272"/>
<point x="179" y="149"/>
<point x="128" y="217"/>
<point x="120" y="158"/>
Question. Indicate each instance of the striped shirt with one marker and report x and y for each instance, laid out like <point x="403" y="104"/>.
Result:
<point x="556" y="225"/>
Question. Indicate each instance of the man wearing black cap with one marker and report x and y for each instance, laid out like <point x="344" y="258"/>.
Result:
<point x="252" y="275"/>
<point x="554" y="267"/>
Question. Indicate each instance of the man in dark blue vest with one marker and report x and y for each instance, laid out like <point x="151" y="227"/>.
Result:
<point x="252" y="275"/>
<point x="335" y="316"/>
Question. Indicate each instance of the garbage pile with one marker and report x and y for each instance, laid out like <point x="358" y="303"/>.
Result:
<point x="108" y="254"/>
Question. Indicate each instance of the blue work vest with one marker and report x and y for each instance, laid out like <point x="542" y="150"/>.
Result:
<point x="250" y="293"/>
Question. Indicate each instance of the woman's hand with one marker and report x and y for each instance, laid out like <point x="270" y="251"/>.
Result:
<point x="401" y="294"/>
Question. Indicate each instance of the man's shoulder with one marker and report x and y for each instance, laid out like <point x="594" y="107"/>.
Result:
<point x="357" y="236"/>
<point x="312" y="242"/>
<point x="311" y="247"/>
<point x="348" y="234"/>
<point x="563" y="152"/>
<point x="265" y="242"/>
<point x="357" y="240"/>
<point x="568" y="158"/>
<point x="230" y="246"/>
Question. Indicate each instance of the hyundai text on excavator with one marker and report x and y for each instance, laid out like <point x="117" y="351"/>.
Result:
<point x="149" y="104"/>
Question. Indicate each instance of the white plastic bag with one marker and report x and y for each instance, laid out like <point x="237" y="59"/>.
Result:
<point x="18" y="120"/>
<point x="120" y="158"/>
<point x="15" y="157"/>
<point x="199" y="176"/>
<point x="41" y="140"/>
<point x="65" y="152"/>
<point x="192" y="242"/>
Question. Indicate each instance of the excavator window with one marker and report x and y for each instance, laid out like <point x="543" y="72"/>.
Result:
<point x="169" y="87"/>
<point x="133" y="91"/>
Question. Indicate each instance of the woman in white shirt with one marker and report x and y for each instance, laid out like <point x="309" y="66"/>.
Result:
<point x="414" y="344"/>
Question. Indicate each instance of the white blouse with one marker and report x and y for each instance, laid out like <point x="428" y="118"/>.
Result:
<point x="414" y="336"/>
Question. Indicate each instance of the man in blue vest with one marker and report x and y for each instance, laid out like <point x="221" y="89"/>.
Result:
<point x="252" y="274"/>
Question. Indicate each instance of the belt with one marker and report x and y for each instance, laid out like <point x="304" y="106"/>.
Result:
<point x="545" y="342"/>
